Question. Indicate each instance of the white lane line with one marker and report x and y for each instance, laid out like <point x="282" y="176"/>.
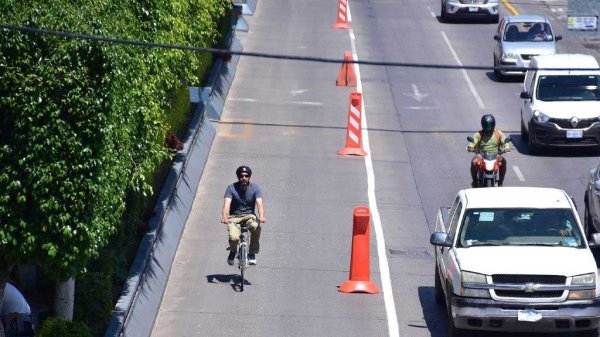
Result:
<point x="518" y="173"/>
<point x="384" y="268"/>
<point x="431" y="12"/>
<point x="254" y="100"/>
<point x="464" y="72"/>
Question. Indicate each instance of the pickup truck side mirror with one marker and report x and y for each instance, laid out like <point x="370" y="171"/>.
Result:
<point x="525" y="95"/>
<point x="497" y="37"/>
<point x="558" y="37"/>
<point x="594" y="242"/>
<point x="441" y="239"/>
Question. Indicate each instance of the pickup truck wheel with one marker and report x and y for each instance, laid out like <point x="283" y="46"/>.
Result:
<point x="452" y="330"/>
<point x="439" y="292"/>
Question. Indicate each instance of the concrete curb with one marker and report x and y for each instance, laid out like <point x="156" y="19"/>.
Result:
<point x="138" y="306"/>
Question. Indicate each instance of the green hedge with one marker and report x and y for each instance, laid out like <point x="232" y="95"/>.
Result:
<point x="56" y="327"/>
<point x="83" y="126"/>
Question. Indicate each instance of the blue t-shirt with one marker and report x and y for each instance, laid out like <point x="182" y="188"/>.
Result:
<point x="242" y="202"/>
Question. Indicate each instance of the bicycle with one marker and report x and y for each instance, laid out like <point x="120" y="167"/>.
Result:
<point x="242" y="252"/>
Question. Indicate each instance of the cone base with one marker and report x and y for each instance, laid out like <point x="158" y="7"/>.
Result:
<point x="356" y="151"/>
<point x="367" y="287"/>
<point x="341" y="25"/>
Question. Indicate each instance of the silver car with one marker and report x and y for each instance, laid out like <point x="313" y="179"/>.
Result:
<point x="470" y="8"/>
<point x="519" y="38"/>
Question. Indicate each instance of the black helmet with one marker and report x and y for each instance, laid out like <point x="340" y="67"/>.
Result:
<point x="243" y="169"/>
<point x="488" y="122"/>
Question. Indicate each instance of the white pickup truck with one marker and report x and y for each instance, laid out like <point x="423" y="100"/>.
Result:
<point x="515" y="259"/>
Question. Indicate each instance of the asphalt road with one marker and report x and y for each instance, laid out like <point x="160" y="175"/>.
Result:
<point x="287" y="119"/>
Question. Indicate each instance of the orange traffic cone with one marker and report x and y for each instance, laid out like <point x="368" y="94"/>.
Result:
<point x="354" y="130"/>
<point x="342" y="19"/>
<point x="347" y="76"/>
<point x="360" y="263"/>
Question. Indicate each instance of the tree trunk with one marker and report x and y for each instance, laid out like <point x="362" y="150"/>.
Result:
<point x="64" y="299"/>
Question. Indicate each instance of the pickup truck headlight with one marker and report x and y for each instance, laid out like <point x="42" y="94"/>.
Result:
<point x="469" y="277"/>
<point x="509" y="56"/>
<point x="585" y="279"/>
<point x="540" y="117"/>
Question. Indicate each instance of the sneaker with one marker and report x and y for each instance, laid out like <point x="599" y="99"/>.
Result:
<point x="252" y="259"/>
<point x="231" y="258"/>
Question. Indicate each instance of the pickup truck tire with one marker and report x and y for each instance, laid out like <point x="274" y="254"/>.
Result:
<point x="452" y="330"/>
<point x="439" y="292"/>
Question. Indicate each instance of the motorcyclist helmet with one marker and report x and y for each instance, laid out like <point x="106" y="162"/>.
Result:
<point x="488" y="122"/>
<point x="243" y="169"/>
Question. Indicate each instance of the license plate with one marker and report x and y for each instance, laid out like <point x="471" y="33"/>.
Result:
<point x="529" y="316"/>
<point x="473" y="9"/>
<point x="574" y="133"/>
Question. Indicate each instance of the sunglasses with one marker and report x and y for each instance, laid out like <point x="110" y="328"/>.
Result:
<point x="243" y="176"/>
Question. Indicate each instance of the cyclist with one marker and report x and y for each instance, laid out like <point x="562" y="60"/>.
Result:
<point x="488" y="139"/>
<point x="241" y="198"/>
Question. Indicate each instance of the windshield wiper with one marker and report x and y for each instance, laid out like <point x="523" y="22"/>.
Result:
<point x="477" y="244"/>
<point x="538" y="244"/>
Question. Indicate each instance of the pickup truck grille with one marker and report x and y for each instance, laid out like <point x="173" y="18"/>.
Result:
<point x="469" y="2"/>
<point x="536" y="294"/>
<point x="566" y="123"/>
<point x="522" y="279"/>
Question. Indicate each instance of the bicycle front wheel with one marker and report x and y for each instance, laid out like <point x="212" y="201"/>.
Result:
<point x="243" y="263"/>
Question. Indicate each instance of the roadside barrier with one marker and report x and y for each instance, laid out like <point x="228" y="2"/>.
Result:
<point x="347" y="75"/>
<point x="354" y="130"/>
<point x="342" y="18"/>
<point x="360" y="263"/>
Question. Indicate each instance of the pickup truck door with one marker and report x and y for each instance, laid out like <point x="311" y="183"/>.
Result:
<point x="445" y="226"/>
<point x="448" y="255"/>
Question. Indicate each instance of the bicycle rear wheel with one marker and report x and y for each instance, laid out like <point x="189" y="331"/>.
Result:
<point x="243" y="263"/>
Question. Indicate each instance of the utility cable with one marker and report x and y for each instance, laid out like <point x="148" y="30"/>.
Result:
<point x="226" y="52"/>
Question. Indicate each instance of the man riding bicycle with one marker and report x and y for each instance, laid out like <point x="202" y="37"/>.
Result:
<point x="241" y="198"/>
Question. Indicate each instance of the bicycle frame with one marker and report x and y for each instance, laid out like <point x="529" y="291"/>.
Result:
<point x="243" y="250"/>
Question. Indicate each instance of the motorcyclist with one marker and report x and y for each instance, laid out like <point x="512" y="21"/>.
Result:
<point x="489" y="139"/>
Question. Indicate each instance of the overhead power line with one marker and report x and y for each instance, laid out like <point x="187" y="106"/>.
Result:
<point x="226" y="52"/>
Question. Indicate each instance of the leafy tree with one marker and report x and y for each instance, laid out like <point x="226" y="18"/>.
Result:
<point x="81" y="123"/>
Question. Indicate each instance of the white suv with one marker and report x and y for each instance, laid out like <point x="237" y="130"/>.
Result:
<point x="470" y="8"/>
<point x="561" y="107"/>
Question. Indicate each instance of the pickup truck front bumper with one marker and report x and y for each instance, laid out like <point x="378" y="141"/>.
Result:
<point x="491" y="315"/>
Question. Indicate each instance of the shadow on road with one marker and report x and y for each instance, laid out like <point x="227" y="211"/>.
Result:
<point x="434" y="314"/>
<point x="232" y="279"/>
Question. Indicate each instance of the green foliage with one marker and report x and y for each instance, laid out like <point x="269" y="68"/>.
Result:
<point x="93" y="299"/>
<point x="56" y="327"/>
<point x="82" y="123"/>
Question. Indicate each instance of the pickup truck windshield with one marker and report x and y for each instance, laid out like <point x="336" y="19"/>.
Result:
<point x="516" y="226"/>
<point x="569" y="88"/>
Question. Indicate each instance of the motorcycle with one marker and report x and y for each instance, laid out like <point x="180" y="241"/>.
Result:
<point x="488" y="174"/>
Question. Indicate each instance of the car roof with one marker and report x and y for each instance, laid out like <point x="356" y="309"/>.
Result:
<point x="525" y="18"/>
<point x="564" y="61"/>
<point x="516" y="197"/>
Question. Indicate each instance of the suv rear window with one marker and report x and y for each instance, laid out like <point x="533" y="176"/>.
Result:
<point x="568" y="88"/>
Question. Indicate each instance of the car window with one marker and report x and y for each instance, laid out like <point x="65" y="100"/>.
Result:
<point x="520" y="227"/>
<point x="532" y="83"/>
<point x="528" y="32"/>
<point x="568" y="88"/>
<point x="455" y="220"/>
